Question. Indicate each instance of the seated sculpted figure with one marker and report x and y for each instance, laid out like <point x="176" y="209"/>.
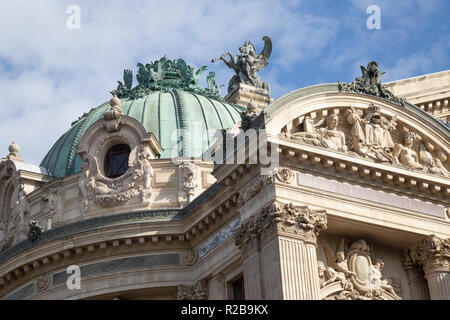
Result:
<point x="328" y="136"/>
<point x="328" y="275"/>
<point x="371" y="135"/>
<point x="341" y="264"/>
<point x="431" y="164"/>
<point x="404" y="154"/>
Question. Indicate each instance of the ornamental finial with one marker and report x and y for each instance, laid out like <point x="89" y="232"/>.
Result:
<point x="14" y="150"/>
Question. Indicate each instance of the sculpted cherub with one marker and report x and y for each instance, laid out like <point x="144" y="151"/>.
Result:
<point x="405" y="154"/>
<point x="375" y="278"/>
<point x="338" y="260"/>
<point x="328" y="275"/>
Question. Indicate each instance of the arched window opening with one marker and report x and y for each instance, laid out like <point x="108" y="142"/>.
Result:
<point x="116" y="160"/>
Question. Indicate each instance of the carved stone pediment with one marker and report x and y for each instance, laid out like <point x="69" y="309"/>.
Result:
<point x="372" y="134"/>
<point x="110" y="192"/>
<point x="353" y="275"/>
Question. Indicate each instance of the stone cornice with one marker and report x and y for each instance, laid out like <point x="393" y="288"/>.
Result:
<point x="91" y="225"/>
<point x="315" y="159"/>
<point x="175" y="238"/>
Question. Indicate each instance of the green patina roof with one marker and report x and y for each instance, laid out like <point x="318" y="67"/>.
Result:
<point x="168" y="102"/>
<point x="164" y="114"/>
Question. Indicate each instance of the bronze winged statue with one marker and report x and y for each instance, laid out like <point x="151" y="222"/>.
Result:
<point x="247" y="64"/>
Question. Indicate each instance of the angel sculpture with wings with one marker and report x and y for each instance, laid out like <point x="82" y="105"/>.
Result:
<point x="247" y="64"/>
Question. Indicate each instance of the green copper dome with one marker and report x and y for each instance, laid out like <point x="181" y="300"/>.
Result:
<point x="181" y="115"/>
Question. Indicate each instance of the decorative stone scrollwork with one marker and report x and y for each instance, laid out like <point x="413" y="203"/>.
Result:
<point x="357" y="276"/>
<point x="248" y="116"/>
<point x="199" y="291"/>
<point x="189" y="258"/>
<point x="254" y="189"/>
<point x="189" y="178"/>
<point x="285" y="175"/>
<point x="100" y="187"/>
<point x="286" y="217"/>
<point x="109" y="192"/>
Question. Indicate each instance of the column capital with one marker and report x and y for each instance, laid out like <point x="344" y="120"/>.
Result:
<point x="286" y="219"/>
<point x="433" y="253"/>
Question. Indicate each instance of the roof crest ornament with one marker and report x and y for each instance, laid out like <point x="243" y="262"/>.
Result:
<point x="370" y="83"/>
<point x="165" y="75"/>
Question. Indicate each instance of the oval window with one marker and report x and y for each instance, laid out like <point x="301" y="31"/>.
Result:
<point x="116" y="160"/>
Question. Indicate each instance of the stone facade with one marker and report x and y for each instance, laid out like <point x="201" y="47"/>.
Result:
<point x="354" y="208"/>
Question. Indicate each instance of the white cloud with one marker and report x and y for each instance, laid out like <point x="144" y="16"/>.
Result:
<point x="51" y="75"/>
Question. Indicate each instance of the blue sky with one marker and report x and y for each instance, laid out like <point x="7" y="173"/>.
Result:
<point x="50" y="75"/>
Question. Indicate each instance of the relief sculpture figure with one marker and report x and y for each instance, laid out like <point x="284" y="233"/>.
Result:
<point x="375" y="278"/>
<point x="247" y="64"/>
<point x="431" y="164"/>
<point x="404" y="154"/>
<point x="371" y="135"/>
<point x="327" y="137"/>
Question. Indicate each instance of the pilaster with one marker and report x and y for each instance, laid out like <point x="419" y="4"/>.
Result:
<point x="279" y="252"/>
<point x="416" y="279"/>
